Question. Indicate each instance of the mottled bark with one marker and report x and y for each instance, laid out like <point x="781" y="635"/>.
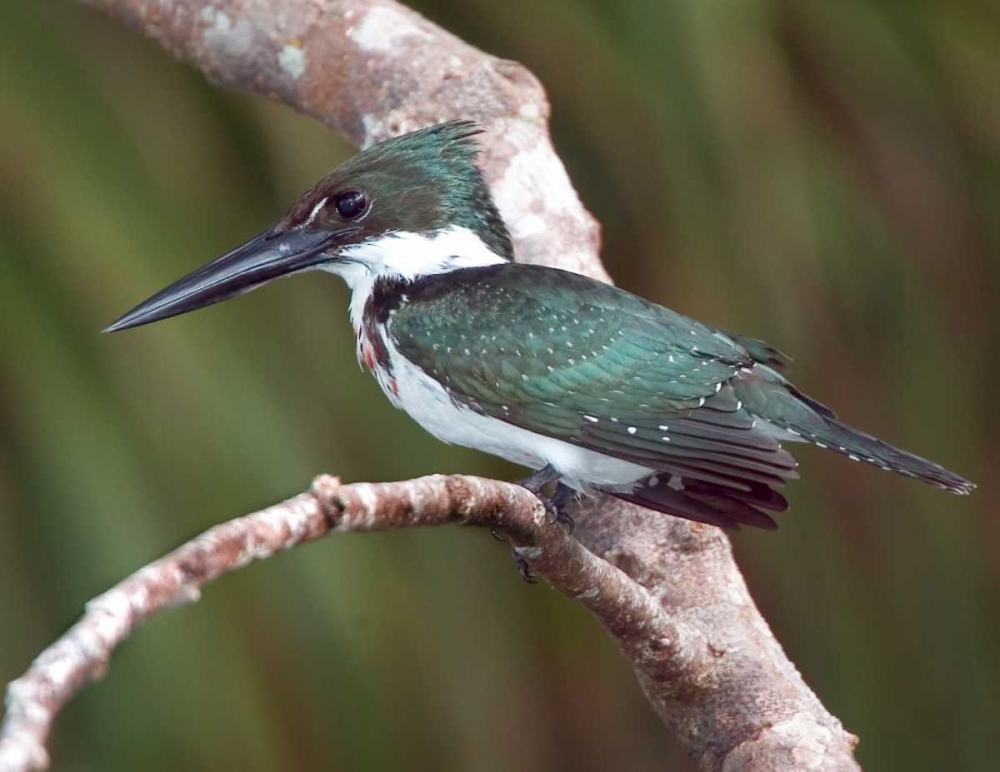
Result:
<point x="667" y="590"/>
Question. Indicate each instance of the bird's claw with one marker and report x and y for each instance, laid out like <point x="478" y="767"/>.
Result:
<point x="563" y="518"/>
<point x="523" y="568"/>
<point x="519" y="560"/>
<point x="557" y="512"/>
<point x="559" y="501"/>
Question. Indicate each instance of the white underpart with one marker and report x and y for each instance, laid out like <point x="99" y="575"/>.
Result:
<point x="426" y="401"/>
<point x="410" y="256"/>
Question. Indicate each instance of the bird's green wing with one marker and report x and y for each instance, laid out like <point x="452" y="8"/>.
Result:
<point x="568" y="357"/>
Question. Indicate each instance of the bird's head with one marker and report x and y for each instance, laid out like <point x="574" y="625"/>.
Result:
<point x="410" y="206"/>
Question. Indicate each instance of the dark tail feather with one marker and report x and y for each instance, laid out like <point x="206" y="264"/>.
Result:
<point x="858" y="446"/>
<point x="704" y="503"/>
<point x="781" y="404"/>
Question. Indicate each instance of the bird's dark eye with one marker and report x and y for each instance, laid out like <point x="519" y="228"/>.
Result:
<point x="351" y="204"/>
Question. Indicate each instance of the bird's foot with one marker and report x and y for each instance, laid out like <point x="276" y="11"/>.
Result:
<point x="536" y="482"/>
<point x="554" y="504"/>
<point x="562" y="496"/>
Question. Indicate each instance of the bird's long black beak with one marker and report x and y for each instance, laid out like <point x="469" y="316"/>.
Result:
<point x="266" y="256"/>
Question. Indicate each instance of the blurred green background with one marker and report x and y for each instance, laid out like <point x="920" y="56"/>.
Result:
<point x="822" y="174"/>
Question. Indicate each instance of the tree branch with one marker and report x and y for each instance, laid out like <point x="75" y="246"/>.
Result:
<point x="661" y="647"/>
<point x="667" y="590"/>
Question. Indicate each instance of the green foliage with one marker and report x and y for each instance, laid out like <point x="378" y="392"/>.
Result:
<point x="822" y="175"/>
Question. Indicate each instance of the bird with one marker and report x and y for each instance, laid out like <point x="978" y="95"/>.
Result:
<point x="592" y="388"/>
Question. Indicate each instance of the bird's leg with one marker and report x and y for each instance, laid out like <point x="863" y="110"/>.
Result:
<point x="554" y="504"/>
<point x="536" y="483"/>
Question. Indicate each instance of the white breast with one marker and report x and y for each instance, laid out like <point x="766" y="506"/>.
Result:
<point x="426" y="401"/>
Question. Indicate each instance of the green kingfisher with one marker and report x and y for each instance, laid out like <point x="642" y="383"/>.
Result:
<point x="590" y="386"/>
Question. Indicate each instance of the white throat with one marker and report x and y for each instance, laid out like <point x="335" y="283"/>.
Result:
<point x="407" y="256"/>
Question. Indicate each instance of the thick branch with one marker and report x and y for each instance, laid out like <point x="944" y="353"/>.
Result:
<point x="676" y="603"/>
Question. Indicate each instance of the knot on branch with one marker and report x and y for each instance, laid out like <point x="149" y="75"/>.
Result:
<point x="798" y="742"/>
<point x="325" y="488"/>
